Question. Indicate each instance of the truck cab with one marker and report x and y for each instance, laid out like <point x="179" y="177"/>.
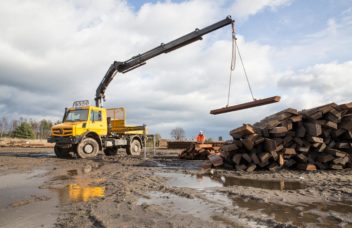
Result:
<point x="85" y="130"/>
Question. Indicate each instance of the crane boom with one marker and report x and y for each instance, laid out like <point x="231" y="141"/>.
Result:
<point x="139" y="60"/>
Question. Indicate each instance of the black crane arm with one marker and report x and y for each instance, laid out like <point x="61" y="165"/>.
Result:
<point x="140" y="59"/>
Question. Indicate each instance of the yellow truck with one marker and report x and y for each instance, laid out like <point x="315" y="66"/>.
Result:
<point x="86" y="130"/>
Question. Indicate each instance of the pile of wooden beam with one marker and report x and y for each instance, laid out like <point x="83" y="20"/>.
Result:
<point x="318" y="138"/>
<point x="198" y="151"/>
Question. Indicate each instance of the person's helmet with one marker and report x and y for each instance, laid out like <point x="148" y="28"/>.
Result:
<point x="201" y="132"/>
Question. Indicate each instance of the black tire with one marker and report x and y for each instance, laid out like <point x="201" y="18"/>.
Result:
<point x="62" y="152"/>
<point x="110" y="151"/>
<point x="87" y="148"/>
<point x="135" y="148"/>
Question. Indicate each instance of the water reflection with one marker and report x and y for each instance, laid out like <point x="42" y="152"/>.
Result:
<point x="78" y="193"/>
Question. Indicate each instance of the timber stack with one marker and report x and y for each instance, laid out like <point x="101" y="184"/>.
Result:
<point x="198" y="151"/>
<point x="317" y="138"/>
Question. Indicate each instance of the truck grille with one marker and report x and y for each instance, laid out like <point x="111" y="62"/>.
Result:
<point x="62" y="131"/>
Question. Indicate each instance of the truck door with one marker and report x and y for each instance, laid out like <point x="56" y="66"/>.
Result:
<point x="97" y="124"/>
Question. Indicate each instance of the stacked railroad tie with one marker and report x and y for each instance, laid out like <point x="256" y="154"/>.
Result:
<point x="317" y="138"/>
<point x="198" y="151"/>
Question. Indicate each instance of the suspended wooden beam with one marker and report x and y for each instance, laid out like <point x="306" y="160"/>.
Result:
<point x="246" y="105"/>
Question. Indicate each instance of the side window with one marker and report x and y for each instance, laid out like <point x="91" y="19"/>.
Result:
<point x="95" y="116"/>
<point x="99" y="116"/>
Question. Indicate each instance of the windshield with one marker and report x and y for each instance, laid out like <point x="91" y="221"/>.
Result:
<point x="76" y="115"/>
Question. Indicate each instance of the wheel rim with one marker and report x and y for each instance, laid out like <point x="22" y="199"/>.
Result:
<point x="88" y="148"/>
<point x="135" y="148"/>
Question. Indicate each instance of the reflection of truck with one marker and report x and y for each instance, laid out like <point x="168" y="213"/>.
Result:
<point x="87" y="129"/>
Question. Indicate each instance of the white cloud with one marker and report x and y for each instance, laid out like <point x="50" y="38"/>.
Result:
<point x="244" y="8"/>
<point x="318" y="84"/>
<point x="54" y="52"/>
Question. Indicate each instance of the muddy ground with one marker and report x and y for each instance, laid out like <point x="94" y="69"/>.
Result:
<point x="39" y="190"/>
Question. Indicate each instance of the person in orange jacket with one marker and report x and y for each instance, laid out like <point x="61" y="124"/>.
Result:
<point x="200" y="137"/>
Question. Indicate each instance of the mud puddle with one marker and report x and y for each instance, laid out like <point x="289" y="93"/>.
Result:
<point x="206" y="211"/>
<point x="23" y="203"/>
<point x="172" y="162"/>
<point x="28" y="155"/>
<point x="210" y="181"/>
<point x="75" y="186"/>
<point x="322" y="214"/>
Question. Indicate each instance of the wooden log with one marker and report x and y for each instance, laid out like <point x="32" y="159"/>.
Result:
<point x="325" y="158"/>
<point x="322" y="147"/>
<point x="300" y="130"/>
<point x="341" y="161"/>
<point x="229" y="147"/>
<point x="308" y="167"/>
<point x="346" y="106"/>
<point x="204" y="146"/>
<point x="274" y="155"/>
<point x="297" y="118"/>
<point x="302" y="157"/>
<point x="246" y="105"/>
<point x="278" y="130"/>
<point x="246" y="129"/>
<point x="337" y="167"/>
<point x="251" y="168"/>
<point x="290" y="162"/>
<point x="246" y="157"/>
<point x="290" y="151"/>
<point x="241" y="167"/>
<point x="303" y="149"/>
<point x="248" y="144"/>
<point x="259" y="141"/>
<point x="255" y="158"/>
<point x="237" y="158"/>
<point x="273" y="167"/>
<point x="281" y="160"/>
<point x="270" y="145"/>
<point x="216" y="160"/>
<point x="264" y="156"/>
<point x="313" y="129"/>
<point x="316" y="139"/>
<point x="331" y="124"/>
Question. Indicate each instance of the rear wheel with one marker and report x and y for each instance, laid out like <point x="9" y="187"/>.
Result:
<point x="134" y="148"/>
<point x="62" y="151"/>
<point x="87" y="148"/>
<point x="110" y="151"/>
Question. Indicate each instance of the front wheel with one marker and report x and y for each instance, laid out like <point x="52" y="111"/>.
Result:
<point x="87" y="148"/>
<point x="134" y="148"/>
<point x="62" y="152"/>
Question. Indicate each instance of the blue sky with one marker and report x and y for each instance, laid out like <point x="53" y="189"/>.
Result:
<point x="54" y="52"/>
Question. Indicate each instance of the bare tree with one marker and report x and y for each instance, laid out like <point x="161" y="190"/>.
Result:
<point x="178" y="133"/>
<point x="4" y="124"/>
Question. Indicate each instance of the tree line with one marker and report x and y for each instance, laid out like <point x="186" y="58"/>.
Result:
<point x="25" y="128"/>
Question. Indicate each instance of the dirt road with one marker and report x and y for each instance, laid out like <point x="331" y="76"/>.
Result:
<point x="38" y="189"/>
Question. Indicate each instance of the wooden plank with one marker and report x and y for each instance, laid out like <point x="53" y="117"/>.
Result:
<point x="246" y="105"/>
